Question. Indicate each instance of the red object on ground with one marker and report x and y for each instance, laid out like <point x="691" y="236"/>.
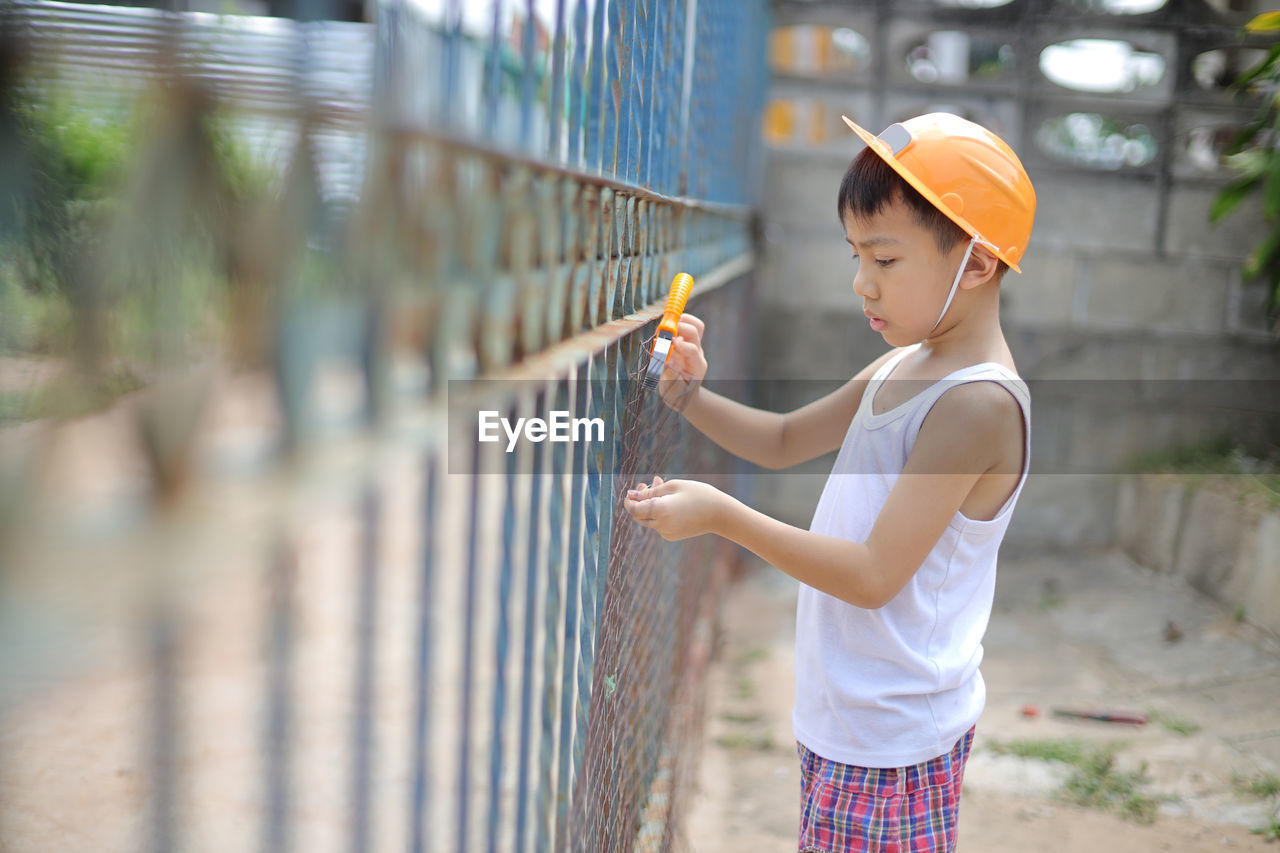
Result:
<point x="1029" y="710"/>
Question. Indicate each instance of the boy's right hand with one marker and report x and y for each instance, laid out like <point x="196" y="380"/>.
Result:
<point x="686" y="351"/>
<point x="686" y="364"/>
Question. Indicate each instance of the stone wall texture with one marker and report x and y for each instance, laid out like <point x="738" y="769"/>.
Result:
<point x="1130" y="307"/>
<point x="1218" y="536"/>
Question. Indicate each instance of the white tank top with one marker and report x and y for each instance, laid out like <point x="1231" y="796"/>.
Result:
<point x="898" y="685"/>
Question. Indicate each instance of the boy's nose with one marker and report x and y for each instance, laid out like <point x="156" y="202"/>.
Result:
<point x="862" y="286"/>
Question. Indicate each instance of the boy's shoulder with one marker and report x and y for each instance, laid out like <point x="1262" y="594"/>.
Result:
<point x="973" y="427"/>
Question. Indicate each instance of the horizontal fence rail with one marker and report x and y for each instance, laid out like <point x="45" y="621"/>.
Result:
<point x="248" y="598"/>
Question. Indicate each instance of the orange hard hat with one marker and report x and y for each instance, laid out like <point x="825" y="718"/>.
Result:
<point x="965" y="171"/>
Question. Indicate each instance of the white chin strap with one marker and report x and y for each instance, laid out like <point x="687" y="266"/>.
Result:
<point x="952" y="295"/>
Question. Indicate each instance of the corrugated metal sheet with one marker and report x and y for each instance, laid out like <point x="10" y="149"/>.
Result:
<point x="269" y="70"/>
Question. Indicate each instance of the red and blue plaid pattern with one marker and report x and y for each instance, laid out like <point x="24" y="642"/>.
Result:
<point x="913" y="809"/>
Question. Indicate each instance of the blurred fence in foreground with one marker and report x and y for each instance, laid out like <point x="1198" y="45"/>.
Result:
<point x="244" y="602"/>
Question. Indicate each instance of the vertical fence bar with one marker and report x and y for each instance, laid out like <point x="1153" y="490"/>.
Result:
<point x="617" y="93"/>
<point x="572" y="627"/>
<point x="577" y="81"/>
<point x="422" y="673"/>
<point x="675" y="97"/>
<point x="450" y="57"/>
<point x="279" y="690"/>
<point x="555" y="647"/>
<point x="468" y="650"/>
<point x="493" y="73"/>
<point x="629" y="156"/>
<point x="503" y="629"/>
<point x="570" y="734"/>
<point x="686" y="95"/>
<point x="366" y="621"/>
<point x="528" y="85"/>
<point x="596" y="504"/>
<point x="580" y="537"/>
<point x="532" y="580"/>
<point x="555" y="98"/>
<point x="162" y="641"/>
<point x="654" y="74"/>
<point x="599" y="103"/>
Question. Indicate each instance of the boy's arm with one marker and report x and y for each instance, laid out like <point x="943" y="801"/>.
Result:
<point x="768" y="439"/>
<point x="962" y="438"/>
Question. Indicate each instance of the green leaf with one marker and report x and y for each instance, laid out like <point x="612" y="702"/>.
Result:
<point x="1247" y="164"/>
<point x="1271" y="197"/>
<point x="1240" y="142"/>
<point x="1231" y="196"/>
<point x="1262" y="257"/>
<point x="1266" y="66"/>
<point x="1267" y="22"/>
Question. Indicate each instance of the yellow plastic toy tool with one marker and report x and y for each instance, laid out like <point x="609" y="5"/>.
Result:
<point x="676" y="299"/>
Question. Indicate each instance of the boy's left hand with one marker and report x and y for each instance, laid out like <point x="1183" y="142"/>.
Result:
<point x="677" y="509"/>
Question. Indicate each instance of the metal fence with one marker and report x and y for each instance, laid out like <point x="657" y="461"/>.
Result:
<point x="247" y="597"/>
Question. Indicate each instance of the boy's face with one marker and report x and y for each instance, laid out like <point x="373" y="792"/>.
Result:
<point x="901" y="275"/>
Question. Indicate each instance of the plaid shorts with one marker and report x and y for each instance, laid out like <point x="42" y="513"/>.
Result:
<point x="913" y="809"/>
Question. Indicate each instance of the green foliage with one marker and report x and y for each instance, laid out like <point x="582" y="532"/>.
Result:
<point x="1264" y="786"/>
<point x="751" y="742"/>
<point x="1254" y="470"/>
<point x="1254" y="157"/>
<point x="81" y="206"/>
<point x="1095" y="781"/>
<point x="1173" y="723"/>
<point x="1261" y="787"/>
<point x="72" y="163"/>
<point x="68" y="396"/>
<point x="1098" y="784"/>
<point x="32" y="319"/>
<point x="1067" y="751"/>
<point x="1270" y="832"/>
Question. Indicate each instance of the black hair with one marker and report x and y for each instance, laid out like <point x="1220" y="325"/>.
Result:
<point x="870" y="184"/>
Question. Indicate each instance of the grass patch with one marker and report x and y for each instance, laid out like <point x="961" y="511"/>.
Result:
<point x="1095" y="782"/>
<point x="1270" y="832"/>
<point x="742" y="718"/>
<point x="743" y="687"/>
<point x="1049" y="601"/>
<point x="750" y="656"/>
<point x="1253" y="471"/>
<point x="68" y="397"/>
<point x="1261" y="787"/>
<point x="1069" y="751"/>
<point x="1178" y="725"/>
<point x="1098" y="784"/>
<point x="750" y="742"/>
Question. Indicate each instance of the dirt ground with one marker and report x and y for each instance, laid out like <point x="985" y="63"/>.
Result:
<point x="1068" y="630"/>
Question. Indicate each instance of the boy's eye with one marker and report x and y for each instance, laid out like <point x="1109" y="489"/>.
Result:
<point x="883" y="263"/>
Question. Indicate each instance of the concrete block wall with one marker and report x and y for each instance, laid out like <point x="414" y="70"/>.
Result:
<point x="1125" y="279"/>
<point x="1215" y="535"/>
<point x="1107" y="255"/>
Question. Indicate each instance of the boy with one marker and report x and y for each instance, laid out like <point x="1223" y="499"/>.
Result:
<point x="897" y="569"/>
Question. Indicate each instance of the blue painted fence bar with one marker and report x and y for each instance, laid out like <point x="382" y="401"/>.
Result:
<point x="320" y="626"/>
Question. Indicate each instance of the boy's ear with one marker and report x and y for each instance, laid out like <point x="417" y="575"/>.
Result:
<point x="982" y="267"/>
